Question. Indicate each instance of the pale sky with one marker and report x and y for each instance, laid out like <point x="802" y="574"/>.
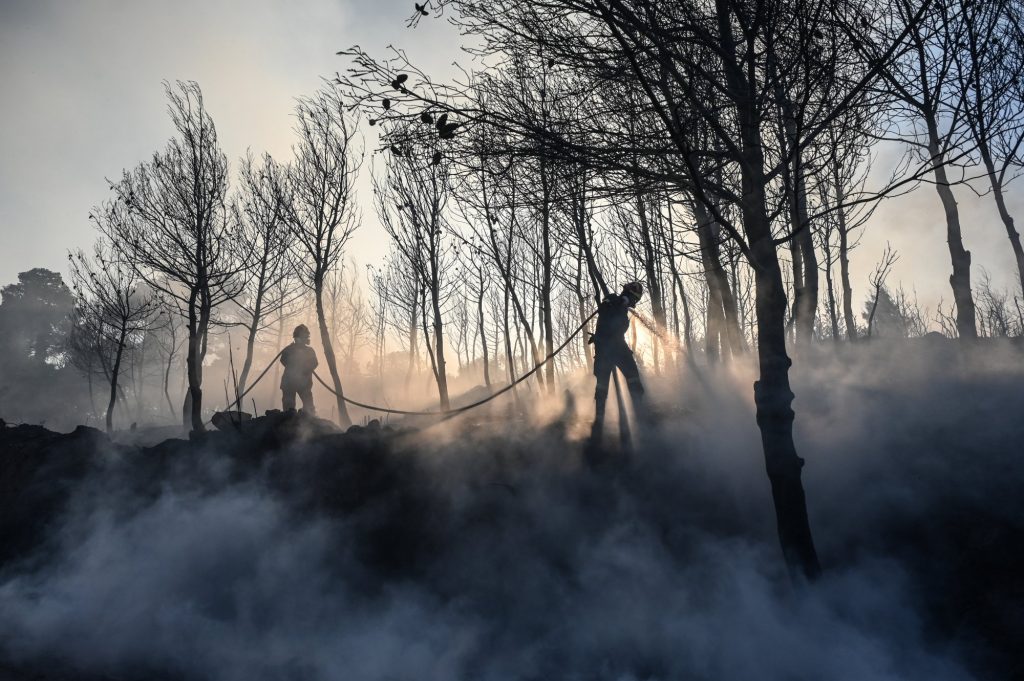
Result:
<point x="82" y="98"/>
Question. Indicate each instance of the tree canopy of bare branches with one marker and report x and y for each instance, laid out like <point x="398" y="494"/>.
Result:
<point x="320" y="205"/>
<point x="170" y="220"/>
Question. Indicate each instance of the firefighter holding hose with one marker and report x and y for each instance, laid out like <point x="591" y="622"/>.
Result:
<point x="611" y="351"/>
<point x="299" y="362"/>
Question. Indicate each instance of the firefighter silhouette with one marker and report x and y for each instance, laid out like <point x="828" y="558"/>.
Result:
<point x="299" y="362"/>
<point x="611" y="351"/>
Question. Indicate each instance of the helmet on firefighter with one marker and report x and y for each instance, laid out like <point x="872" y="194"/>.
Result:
<point x="301" y="331"/>
<point x="634" y="290"/>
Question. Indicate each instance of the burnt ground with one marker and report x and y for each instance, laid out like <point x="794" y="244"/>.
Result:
<point x="510" y="557"/>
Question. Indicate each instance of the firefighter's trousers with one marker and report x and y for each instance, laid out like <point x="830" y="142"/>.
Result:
<point x="608" y="358"/>
<point x="305" y="392"/>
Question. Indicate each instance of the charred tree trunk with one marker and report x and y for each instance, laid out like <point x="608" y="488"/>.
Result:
<point x="250" y="340"/>
<point x="714" y="334"/>
<point x="960" y="279"/>
<point x="192" y="410"/>
<point x="844" y="258"/>
<point x="92" y="396"/>
<point x="167" y="379"/>
<point x="506" y="274"/>
<point x="797" y="263"/>
<point x="722" y="311"/>
<point x="808" y="307"/>
<point x="772" y="394"/>
<point x="438" y="324"/>
<point x="687" y="318"/>
<point x="483" y="334"/>
<point x="653" y="280"/>
<point x="509" y="355"/>
<point x="332" y="364"/>
<point x="805" y="265"/>
<point x="773" y="399"/>
<point x="115" y="372"/>
<point x="546" y="277"/>
<point x="413" y="340"/>
<point x="581" y="310"/>
<point x="274" y="383"/>
<point x="197" y="369"/>
<point x="1004" y="213"/>
<point x="833" y="314"/>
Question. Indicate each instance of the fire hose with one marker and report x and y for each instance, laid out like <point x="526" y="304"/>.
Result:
<point x="446" y="414"/>
<point x="451" y="413"/>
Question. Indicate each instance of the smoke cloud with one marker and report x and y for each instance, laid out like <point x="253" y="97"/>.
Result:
<point x="493" y="552"/>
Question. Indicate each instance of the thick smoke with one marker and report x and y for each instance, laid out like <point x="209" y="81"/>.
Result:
<point x="494" y="552"/>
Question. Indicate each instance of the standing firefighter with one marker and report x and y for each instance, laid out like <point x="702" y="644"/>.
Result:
<point x="299" y="362"/>
<point x="611" y="351"/>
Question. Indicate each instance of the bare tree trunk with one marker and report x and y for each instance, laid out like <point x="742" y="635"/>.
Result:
<point x="167" y="380"/>
<point x="192" y="410"/>
<point x="426" y="336"/>
<point x="874" y="308"/>
<point x="675" y="321"/>
<point x="250" y="341"/>
<point x="139" y="379"/>
<point x="1004" y="214"/>
<point x="805" y="265"/>
<point x="442" y="376"/>
<point x="797" y="263"/>
<point x="274" y="383"/>
<point x="113" y="378"/>
<point x="773" y="398"/>
<point x="653" y="282"/>
<point x="196" y="370"/>
<point x="733" y="333"/>
<point x="809" y="296"/>
<point x="332" y="364"/>
<point x="194" y="394"/>
<point x="844" y="259"/>
<point x="412" y="343"/>
<point x="483" y="334"/>
<point x="92" y="394"/>
<point x="720" y="295"/>
<point x="715" y="313"/>
<point x="546" y="277"/>
<point x="772" y="394"/>
<point x="833" y="314"/>
<point x="517" y="306"/>
<point x="509" y="355"/>
<point x="581" y="306"/>
<point x="960" y="280"/>
<point x="687" y="320"/>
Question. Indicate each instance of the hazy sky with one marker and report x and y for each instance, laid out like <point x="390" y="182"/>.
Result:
<point x="83" y="95"/>
<point x="82" y="99"/>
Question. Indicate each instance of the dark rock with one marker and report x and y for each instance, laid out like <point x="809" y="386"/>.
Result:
<point x="229" y="420"/>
